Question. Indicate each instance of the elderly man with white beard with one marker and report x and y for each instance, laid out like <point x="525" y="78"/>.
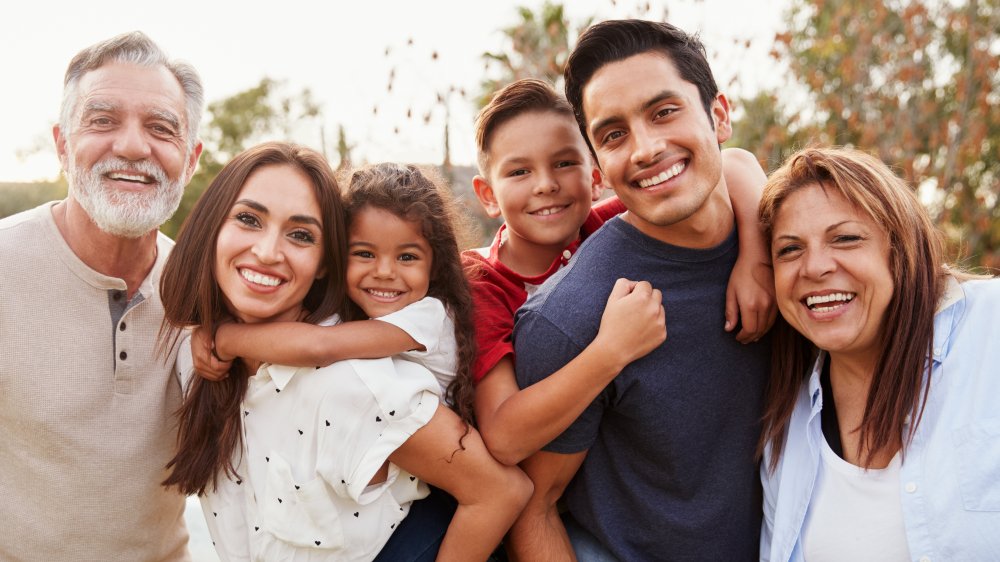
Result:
<point x="86" y="395"/>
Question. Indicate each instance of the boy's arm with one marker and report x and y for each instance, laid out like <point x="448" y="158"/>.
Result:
<point x="750" y="294"/>
<point x="516" y="423"/>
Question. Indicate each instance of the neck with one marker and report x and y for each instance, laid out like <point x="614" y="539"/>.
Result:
<point x="707" y="227"/>
<point x="129" y="259"/>
<point x="526" y="258"/>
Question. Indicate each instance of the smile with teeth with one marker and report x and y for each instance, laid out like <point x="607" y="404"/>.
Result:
<point x="833" y="301"/>
<point x="259" y="278"/>
<point x="383" y="294"/>
<point x="136" y="178"/>
<point x="548" y="211"/>
<point x="664" y="175"/>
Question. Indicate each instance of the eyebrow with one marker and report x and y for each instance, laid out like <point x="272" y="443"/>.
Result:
<point x="300" y="219"/>
<point x="658" y="98"/>
<point x="169" y="116"/>
<point x="828" y="229"/>
<point x="98" y="106"/>
<point x="408" y="245"/>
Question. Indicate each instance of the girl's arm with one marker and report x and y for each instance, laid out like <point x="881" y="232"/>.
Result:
<point x="517" y="423"/>
<point x="750" y="294"/>
<point x="296" y="344"/>
<point x="490" y="495"/>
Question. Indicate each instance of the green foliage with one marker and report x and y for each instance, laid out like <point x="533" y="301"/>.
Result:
<point x="17" y="197"/>
<point x="536" y="47"/>
<point x="914" y="81"/>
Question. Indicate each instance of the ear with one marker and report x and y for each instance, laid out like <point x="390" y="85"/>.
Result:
<point x="597" y="186"/>
<point x="192" y="164"/>
<point x="60" y="141"/>
<point x="488" y="199"/>
<point x="720" y="116"/>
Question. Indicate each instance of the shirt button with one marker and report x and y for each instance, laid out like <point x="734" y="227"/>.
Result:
<point x="123" y="356"/>
<point x="910" y="487"/>
<point x="566" y="254"/>
<point x="121" y="326"/>
<point x="906" y="420"/>
<point x="116" y="295"/>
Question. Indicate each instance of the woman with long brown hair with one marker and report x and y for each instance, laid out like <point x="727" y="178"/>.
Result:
<point x="881" y="427"/>
<point x="309" y="463"/>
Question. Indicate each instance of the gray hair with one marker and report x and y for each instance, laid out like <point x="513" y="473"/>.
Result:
<point x="133" y="48"/>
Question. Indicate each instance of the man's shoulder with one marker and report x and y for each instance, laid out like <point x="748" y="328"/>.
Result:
<point x="24" y="219"/>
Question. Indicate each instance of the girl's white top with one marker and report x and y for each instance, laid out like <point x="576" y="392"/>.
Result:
<point x="313" y="439"/>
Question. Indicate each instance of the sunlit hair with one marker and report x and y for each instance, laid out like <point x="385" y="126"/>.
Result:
<point x="417" y="195"/>
<point x="906" y="335"/>
<point x="209" y="425"/>
<point x="528" y="95"/>
<point x="615" y="40"/>
<point x="132" y="48"/>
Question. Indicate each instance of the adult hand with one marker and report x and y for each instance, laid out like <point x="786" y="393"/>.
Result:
<point x="207" y="363"/>
<point x="750" y="299"/>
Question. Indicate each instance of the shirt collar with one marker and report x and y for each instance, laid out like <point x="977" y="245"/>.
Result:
<point x="280" y="374"/>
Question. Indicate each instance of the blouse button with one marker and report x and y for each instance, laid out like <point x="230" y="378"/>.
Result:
<point x="910" y="487"/>
<point x="566" y="254"/>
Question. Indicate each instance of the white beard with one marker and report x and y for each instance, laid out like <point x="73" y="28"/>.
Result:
<point x="127" y="214"/>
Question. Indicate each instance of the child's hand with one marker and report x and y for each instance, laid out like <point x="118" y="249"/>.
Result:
<point x="207" y="364"/>
<point x="750" y="298"/>
<point x="633" y="323"/>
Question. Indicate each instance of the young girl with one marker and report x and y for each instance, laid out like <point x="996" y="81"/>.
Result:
<point x="315" y="463"/>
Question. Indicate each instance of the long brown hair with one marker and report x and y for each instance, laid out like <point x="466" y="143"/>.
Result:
<point x="409" y="193"/>
<point x="210" y="423"/>
<point x="897" y="388"/>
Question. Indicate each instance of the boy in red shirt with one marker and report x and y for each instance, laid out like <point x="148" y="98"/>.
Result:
<point x="538" y="174"/>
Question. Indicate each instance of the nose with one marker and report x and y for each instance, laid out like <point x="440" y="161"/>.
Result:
<point x="385" y="267"/>
<point x="646" y="145"/>
<point x="267" y="248"/>
<point x="131" y="142"/>
<point x="818" y="262"/>
<point x="546" y="183"/>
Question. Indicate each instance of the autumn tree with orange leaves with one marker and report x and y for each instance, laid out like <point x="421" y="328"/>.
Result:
<point x="914" y="82"/>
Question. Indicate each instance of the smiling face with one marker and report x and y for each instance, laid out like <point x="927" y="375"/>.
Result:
<point x="126" y="154"/>
<point x="269" y="250"/>
<point x="541" y="180"/>
<point x="389" y="262"/>
<point x="831" y="272"/>
<point x="657" y="147"/>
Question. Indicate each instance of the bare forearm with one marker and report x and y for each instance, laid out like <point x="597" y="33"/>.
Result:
<point x="528" y="420"/>
<point x="539" y="535"/>
<point x="306" y="345"/>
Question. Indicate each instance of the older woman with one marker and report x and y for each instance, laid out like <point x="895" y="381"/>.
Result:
<point x="882" y="426"/>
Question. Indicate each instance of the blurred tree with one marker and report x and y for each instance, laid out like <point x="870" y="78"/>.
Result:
<point x="242" y="120"/>
<point x="343" y="150"/>
<point x="915" y="82"/>
<point x="535" y="47"/>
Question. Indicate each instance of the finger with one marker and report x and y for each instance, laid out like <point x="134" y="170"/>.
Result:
<point x="642" y="287"/>
<point x="732" y="309"/>
<point x="657" y="297"/>
<point x="622" y="287"/>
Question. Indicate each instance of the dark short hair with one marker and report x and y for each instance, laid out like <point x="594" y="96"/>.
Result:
<point x="517" y="98"/>
<point x="615" y="40"/>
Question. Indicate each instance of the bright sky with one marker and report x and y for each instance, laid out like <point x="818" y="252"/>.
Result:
<point x="337" y="50"/>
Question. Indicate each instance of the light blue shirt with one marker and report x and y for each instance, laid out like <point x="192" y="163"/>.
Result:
<point x="950" y="476"/>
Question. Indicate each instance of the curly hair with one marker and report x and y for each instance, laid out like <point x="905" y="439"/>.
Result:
<point x="417" y="195"/>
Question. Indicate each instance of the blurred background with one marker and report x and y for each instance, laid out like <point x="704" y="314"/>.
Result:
<point x="914" y="81"/>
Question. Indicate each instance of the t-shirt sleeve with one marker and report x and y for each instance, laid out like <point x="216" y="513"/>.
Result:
<point x="364" y="418"/>
<point x="542" y="349"/>
<point x="494" y="322"/>
<point x="424" y="321"/>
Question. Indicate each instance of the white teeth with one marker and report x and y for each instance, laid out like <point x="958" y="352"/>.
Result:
<point x="838" y="298"/>
<point x="548" y="211"/>
<point x="384" y="294"/>
<point x="259" y="278"/>
<point x="663" y="176"/>
<point x="129" y="177"/>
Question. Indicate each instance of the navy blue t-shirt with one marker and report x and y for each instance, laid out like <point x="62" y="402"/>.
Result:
<point x="670" y="471"/>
